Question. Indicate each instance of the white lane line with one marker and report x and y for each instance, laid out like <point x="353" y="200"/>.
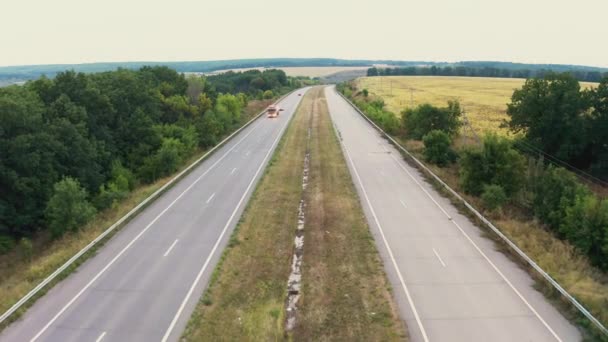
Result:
<point x="232" y="172"/>
<point x="219" y="239"/>
<point x="483" y="255"/>
<point x="103" y="334"/>
<point x="170" y="248"/>
<point x="65" y="307"/>
<point x="388" y="248"/>
<point x="403" y="203"/>
<point x="210" y="198"/>
<point x="421" y="187"/>
<point x="438" y="257"/>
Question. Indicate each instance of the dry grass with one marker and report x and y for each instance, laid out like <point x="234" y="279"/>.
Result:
<point x="345" y="292"/>
<point x="345" y="295"/>
<point x="484" y="99"/>
<point x="19" y="273"/>
<point x="245" y="299"/>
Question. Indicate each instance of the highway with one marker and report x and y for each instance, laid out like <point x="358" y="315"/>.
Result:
<point x="145" y="282"/>
<point x="450" y="282"/>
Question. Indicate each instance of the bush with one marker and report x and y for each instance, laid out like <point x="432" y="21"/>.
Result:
<point x="495" y="163"/>
<point x="493" y="196"/>
<point x="555" y="190"/>
<point x="425" y="118"/>
<point x="365" y="92"/>
<point x="437" y="148"/>
<point x="68" y="208"/>
<point x="6" y="243"/>
<point x="585" y="225"/>
<point x="268" y="94"/>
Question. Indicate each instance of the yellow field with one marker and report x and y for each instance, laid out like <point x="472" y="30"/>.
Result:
<point x="483" y="99"/>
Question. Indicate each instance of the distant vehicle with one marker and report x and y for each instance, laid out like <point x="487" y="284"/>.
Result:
<point x="273" y="111"/>
<point x="299" y="94"/>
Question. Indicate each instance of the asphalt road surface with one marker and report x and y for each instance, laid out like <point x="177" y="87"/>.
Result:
<point x="450" y="282"/>
<point x="145" y="282"/>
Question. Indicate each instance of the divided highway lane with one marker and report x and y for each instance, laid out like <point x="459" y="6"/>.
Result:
<point x="450" y="282"/>
<point x="145" y="282"/>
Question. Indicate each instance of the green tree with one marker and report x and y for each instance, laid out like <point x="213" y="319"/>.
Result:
<point x="550" y="113"/>
<point x="425" y="118"/>
<point x="437" y="148"/>
<point x="68" y="208"/>
<point x="556" y="190"/>
<point x="585" y="224"/>
<point x="268" y="94"/>
<point x="495" y="163"/>
<point x="493" y="197"/>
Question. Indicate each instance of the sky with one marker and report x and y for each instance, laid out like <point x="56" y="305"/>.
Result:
<point x="84" y="31"/>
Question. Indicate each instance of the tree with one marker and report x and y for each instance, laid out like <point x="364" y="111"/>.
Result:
<point x="425" y="118"/>
<point x="68" y="208"/>
<point x="268" y="94"/>
<point x="493" y="197"/>
<point x="555" y="191"/>
<point x="437" y="148"/>
<point x="495" y="163"/>
<point x="585" y="226"/>
<point x="550" y="113"/>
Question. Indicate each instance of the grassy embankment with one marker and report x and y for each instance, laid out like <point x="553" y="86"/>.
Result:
<point x="560" y="259"/>
<point x="20" y="272"/>
<point x="345" y="295"/>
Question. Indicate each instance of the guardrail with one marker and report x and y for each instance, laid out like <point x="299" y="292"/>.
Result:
<point x="489" y="224"/>
<point x="127" y="217"/>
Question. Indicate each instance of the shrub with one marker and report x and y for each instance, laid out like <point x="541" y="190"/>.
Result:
<point x="268" y="94"/>
<point x="555" y="190"/>
<point x="425" y="118"/>
<point x="493" y="196"/>
<point x="437" y="148"/>
<point x="365" y="92"/>
<point x="68" y="208"/>
<point x="495" y="163"/>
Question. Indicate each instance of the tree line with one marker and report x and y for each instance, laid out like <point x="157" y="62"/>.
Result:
<point x="553" y="116"/>
<point x="486" y="71"/>
<point x="78" y="143"/>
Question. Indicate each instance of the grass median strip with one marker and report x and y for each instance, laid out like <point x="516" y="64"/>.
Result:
<point x="345" y="295"/>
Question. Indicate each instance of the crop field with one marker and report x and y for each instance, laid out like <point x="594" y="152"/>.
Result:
<point x="483" y="99"/>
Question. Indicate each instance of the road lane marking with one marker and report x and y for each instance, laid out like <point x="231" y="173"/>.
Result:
<point x="388" y="248"/>
<point x="421" y="187"/>
<point x="232" y="172"/>
<point x="170" y="248"/>
<point x="103" y="334"/>
<point x="219" y="239"/>
<point x="438" y="257"/>
<point x="117" y="256"/>
<point x="403" y="203"/>
<point x="210" y="198"/>
<point x="247" y="153"/>
<point x="482" y="254"/>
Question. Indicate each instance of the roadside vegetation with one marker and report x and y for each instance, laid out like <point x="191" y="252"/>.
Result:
<point x="549" y="212"/>
<point x="484" y="99"/>
<point x="80" y="151"/>
<point x="345" y="295"/>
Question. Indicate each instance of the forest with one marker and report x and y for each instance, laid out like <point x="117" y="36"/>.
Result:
<point x="75" y="144"/>
<point x="492" y="70"/>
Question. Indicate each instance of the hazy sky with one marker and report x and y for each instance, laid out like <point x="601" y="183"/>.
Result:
<point x="79" y="31"/>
